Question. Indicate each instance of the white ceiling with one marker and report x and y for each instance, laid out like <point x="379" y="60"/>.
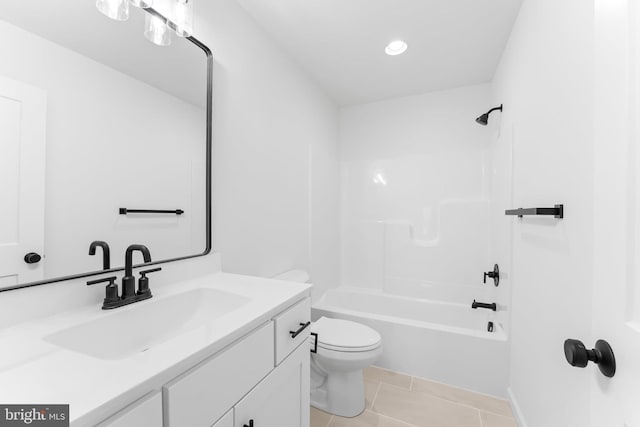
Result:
<point x="340" y="43"/>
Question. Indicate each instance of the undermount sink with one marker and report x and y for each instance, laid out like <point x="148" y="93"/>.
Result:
<point x="138" y="327"/>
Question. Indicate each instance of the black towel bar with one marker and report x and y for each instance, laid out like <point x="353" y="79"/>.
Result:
<point x="125" y="211"/>
<point x="557" y="211"/>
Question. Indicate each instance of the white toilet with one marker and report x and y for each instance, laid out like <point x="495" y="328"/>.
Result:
<point x="342" y="350"/>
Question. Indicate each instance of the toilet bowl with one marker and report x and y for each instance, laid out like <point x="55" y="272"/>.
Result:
<point x="339" y="354"/>
<point x="344" y="349"/>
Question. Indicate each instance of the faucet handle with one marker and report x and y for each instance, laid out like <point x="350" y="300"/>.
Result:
<point x="143" y="281"/>
<point x="111" y="291"/>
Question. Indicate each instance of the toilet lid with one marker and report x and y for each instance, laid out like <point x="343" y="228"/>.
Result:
<point x="344" y="335"/>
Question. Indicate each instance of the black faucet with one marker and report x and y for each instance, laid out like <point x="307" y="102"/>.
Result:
<point x="128" y="281"/>
<point x="129" y="294"/>
<point x="493" y="306"/>
<point x="106" y="253"/>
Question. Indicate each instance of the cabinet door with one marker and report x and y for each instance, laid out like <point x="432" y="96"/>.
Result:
<point x="144" y="412"/>
<point x="282" y="398"/>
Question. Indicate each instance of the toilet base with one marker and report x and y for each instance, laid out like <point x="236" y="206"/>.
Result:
<point x="340" y="393"/>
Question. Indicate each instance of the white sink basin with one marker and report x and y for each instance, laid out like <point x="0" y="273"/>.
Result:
<point x="140" y="326"/>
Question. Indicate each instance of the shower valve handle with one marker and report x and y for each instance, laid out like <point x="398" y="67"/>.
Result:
<point x="495" y="275"/>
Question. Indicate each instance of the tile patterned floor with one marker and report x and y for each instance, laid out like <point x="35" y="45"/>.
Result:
<point x="397" y="400"/>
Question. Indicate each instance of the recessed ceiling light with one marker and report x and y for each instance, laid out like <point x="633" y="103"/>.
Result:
<point x="396" y="47"/>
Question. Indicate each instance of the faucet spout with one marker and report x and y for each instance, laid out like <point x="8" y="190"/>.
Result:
<point x="128" y="258"/>
<point x="106" y="253"/>
<point x="128" y="281"/>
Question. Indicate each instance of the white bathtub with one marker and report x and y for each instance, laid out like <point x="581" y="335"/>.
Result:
<point x="442" y="341"/>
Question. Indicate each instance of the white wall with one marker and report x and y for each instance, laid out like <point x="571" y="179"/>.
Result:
<point x="275" y="173"/>
<point x="275" y="183"/>
<point x="102" y="126"/>
<point x="545" y="81"/>
<point x="415" y="195"/>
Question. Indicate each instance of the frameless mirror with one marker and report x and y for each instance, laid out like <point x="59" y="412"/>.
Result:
<point x="96" y="122"/>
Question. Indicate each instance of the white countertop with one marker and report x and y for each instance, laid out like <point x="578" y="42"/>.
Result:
<point x="33" y="371"/>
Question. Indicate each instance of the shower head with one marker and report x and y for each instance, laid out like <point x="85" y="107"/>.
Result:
<point x="484" y="119"/>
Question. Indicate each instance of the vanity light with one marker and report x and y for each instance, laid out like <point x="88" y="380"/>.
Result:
<point x="156" y="30"/>
<point x="114" y="9"/>
<point x="396" y="47"/>
<point x="142" y="4"/>
<point x="182" y="22"/>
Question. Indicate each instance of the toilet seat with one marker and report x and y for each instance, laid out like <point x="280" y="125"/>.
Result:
<point x="345" y="336"/>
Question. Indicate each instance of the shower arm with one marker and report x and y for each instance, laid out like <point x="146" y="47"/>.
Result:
<point x="495" y="109"/>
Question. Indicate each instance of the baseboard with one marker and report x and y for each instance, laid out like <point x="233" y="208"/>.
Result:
<point x="517" y="412"/>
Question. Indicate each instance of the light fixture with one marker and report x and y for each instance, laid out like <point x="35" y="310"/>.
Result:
<point x="156" y="30"/>
<point x="142" y="4"/>
<point x="182" y="14"/>
<point x="396" y="47"/>
<point x="114" y="9"/>
<point x="176" y="15"/>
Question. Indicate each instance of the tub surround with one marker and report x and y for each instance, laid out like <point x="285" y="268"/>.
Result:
<point x="95" y="388"/>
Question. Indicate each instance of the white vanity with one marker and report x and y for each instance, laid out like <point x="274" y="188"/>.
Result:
<point x="214" y="351"/>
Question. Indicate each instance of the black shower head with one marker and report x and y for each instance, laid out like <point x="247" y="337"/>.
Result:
<point x="484" y="119"/>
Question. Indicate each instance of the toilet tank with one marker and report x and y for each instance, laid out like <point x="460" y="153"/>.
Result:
<point x="299" y="276"/>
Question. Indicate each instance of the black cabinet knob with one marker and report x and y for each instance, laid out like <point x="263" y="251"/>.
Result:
<point x="32" y="258"/>
<point x="579" y="356"/>
<point x="250" y="424"/>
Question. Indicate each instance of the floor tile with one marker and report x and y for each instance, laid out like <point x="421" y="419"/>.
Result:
<point x="370" y="390"/>
<point x="493" y="420"/>
<point x="319" y="418"/>
<point x="373" y="373"/>
<point x="423" y="409"/>
<point x="367" y="419"/>
<point x="454" y="394"/>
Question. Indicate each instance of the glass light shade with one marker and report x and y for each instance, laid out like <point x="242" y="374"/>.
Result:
<point x="182" y="18"/>
<point x="142" y="4"/>
<point x="156" y="30"/>
<point x="114" y="9"/>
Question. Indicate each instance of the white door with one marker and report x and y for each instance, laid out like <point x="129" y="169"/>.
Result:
<point x="615" y="402"/>
<point x="22" y="163"/>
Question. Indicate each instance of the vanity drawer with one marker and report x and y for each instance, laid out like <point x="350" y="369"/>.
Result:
<point x="205" y="393"/>
<point x="288" y="321"/>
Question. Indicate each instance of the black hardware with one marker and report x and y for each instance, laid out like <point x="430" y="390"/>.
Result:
<point x="303" y="326"/>
<point x="557" y="211"/>
<point x="106" y="253"/>
<point x="111" y="291"/>
<point x="143" y="282"/>
<point x="484" y="119"/>
<point x="491" y="306"/>
<point x="490" y="327"/>
<point x="128" y="281"/>
<point x="495" y="275"/>
<point x="125" y="211"/>
<point x="32" y="258"/>
<point x="577" y="355"/>
<point x="208" y="160"/>
<point x="315" y="342"/>
<point x="250" y="424"/>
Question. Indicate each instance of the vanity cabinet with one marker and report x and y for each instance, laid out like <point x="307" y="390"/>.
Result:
<point x="263" y="376"/>
<point x="144" y="412"/>
<point x="281" y="399"/>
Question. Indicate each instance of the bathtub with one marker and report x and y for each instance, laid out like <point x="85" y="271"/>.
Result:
<point x="441" y="341"/>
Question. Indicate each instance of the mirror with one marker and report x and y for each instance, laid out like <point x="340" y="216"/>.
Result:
<point x="94" y="118"/>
